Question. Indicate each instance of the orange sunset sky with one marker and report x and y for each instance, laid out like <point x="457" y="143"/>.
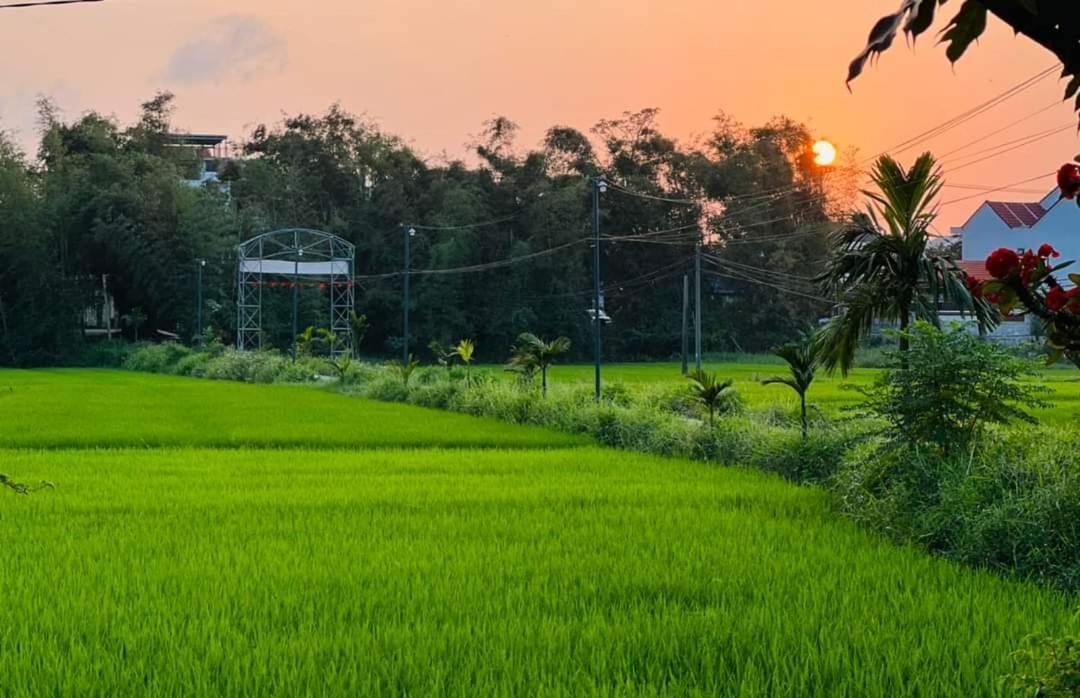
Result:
<point x="433" y="70"/>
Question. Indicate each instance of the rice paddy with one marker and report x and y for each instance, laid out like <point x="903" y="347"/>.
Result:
<point x="213" y="538"/>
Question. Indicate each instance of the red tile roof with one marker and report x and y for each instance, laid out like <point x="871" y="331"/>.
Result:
<point x="976" y="268"/>
<point x="1017" y="215"/>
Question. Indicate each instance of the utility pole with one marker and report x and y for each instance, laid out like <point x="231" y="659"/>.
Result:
<point x="685" y="322"/>
<point x="198" y="308"/>
<point x="598" y="188"/>
<point x="107" y="307"/>
<point x="409" y="233"/>
<point x="296" y="302"/>
<point x="697" y="305"/>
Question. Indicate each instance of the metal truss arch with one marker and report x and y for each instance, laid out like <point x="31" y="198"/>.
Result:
<point x="294" y="253"/>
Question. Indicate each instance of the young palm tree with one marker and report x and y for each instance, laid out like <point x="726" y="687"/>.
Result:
<point x="802" y="359"/>
<point x="465" y="350"/>
<point x="881" y="267"/>
<point x="710" y="391"/>
<point x="530" y="353"/>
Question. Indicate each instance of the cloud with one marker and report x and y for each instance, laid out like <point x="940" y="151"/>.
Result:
<point x="239" y="47"/>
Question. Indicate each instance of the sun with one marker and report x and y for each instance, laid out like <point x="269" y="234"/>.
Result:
<point x="824" y="153"/>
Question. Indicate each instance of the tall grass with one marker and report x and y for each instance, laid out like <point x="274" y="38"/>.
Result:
<point x="463" y="573"/>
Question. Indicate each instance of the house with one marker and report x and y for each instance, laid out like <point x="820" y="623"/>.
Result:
<point x="211" y="151"/>
<point x="1019" y="226"/>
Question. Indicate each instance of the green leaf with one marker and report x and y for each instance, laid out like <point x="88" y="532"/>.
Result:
<point x="1055" y="356"/>
<point x="967" y="26"/>
<point x="993" y="286"/>
<point x="1075" y="278"/>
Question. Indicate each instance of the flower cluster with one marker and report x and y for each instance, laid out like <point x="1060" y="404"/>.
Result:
<point x="1024" y="283"/>
<point x="1068" y="180"/>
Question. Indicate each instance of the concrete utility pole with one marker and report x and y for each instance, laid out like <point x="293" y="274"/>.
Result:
<point x="685" y="322"/>
<point x="106" y="306"/>
<point x="598" y="188"/>
<point x="409" y="233"/>
<point x="198" y="308"/>
<point x="697" y="306"/>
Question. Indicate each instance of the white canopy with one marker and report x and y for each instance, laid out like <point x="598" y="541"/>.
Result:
<point x="283" y="267"/>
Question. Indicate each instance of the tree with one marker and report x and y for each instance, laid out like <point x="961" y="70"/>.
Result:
<point x="443" y="356"/>
<point x="881" y="267"/>
<point x="404" y="370"/>
<point x="710" y="391"/>
<point x="530" y="354"/>
<point x="802" y="359"/>
<point x="1053" y="25"/>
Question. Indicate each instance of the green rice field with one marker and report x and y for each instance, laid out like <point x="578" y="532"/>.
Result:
<point x="222" y="539"/>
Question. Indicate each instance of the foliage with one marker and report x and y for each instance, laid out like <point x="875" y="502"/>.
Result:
<point x="882" y="268"/>
<point x="531" y="354"/>
<point x="1050" y="667"/>
<point x="106" y="199"/>
<point x="444" y="356"/>
<point x="404" y="371"/>
<point x="802" y="358"/>
<point x="1053" y="25"/>
<point x="466" y="350"/>
<point x="948" y="387"/>
<point x="712" y="392"/>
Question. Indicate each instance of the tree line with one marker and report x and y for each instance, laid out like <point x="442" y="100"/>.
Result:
<point x="103" y="201"/>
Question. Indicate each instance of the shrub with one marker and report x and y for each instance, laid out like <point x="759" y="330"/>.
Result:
<point x="1049" y="667"/>
<point x="943" y="391"/>
<point x="156" y="358"/>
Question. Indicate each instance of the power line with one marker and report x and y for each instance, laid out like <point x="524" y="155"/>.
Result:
<point x="1031" y="139"/>
<point x="1003" y="128"/>
<point x="475" y="267"/>
<point x="966" y="116"/>
<point x="43" y="3"/>
<point x="467" y="226"/>
<point x="652" y="197"/>
<point x="1005" y="187"/>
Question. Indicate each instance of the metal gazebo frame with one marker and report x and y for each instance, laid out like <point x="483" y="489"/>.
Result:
<point x="294" y="253"/>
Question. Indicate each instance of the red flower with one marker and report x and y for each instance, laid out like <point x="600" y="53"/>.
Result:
<point x="994" y="298"/>
<point x="973" y="285"/>
<point x="1068" y="178"/>
<point x="1056" y="298"/>
<point x="1047" y="250"/>
<point x="1002" y="263"/>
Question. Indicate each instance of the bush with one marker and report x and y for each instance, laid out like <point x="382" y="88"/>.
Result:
<point x="156" y="358"/>
<point x="943" y="391"/>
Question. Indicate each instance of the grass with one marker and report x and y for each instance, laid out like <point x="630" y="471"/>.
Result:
<point x="830" y="394"/>
<point x="566" y="570"/>
<point x="78" y="408"/>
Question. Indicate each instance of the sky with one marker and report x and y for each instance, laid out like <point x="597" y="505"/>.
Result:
<point x="432" y="71"/>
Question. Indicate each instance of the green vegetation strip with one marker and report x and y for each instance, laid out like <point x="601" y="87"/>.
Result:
<point x="96" y="408"/>
<point x="572" y="571"/>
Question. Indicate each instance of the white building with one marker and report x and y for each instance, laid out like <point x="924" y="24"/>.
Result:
<point x="1019" y="226"/>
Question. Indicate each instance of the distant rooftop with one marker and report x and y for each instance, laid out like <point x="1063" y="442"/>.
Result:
<point x="1017" y="215"/>
<point x="198" y="139"/>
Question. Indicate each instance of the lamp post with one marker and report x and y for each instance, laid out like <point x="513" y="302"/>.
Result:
<point x="599" y="187"/>
<point x="296" y="301"/>
<point x="198" y="307"/>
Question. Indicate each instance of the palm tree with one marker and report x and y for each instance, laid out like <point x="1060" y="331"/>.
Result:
<point x="802" y="359"/>
<point x="710" y="391"/>
<point x="530" y="354"/>
<point x="881" y="267"/>
<point x="465" y="350"/>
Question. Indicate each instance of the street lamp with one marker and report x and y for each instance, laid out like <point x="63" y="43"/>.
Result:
<point x="296" y="300"/>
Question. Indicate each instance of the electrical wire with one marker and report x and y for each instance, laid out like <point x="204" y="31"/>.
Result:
<point x="970" y="114"/>
<point x="1000" y="130"/>
<point x="44" y="3"/>
<point x="1005" y="187"/>
<point x="475" y="267"/>
<point x="467" y="226"/>
<point x="1029" y="141"/>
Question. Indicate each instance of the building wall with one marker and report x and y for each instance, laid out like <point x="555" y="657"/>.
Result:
<point x="986" y="232"/>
